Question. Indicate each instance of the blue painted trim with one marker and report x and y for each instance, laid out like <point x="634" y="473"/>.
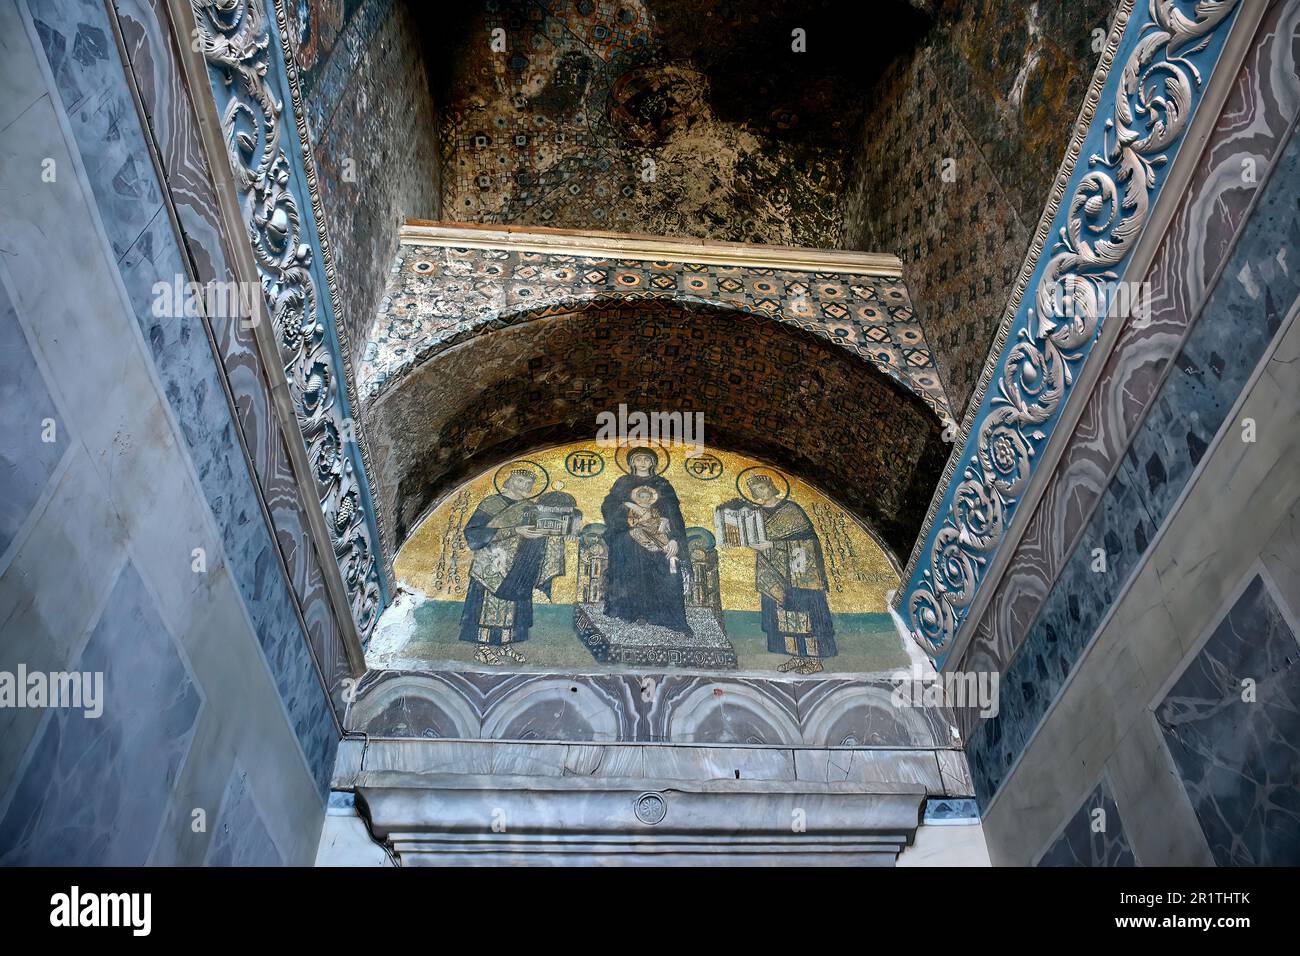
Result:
<point x="1100" y="132"/>
<point x="1242" y="316"/>
<point x="311" y="231"/>
<point x="257" y="62"/>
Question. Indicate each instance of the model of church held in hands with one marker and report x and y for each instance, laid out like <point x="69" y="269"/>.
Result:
<point x="789" y="570"/>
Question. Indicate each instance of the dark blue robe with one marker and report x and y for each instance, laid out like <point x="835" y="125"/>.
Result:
<point x="822" y="627"/>
<point x="639" y="586"/>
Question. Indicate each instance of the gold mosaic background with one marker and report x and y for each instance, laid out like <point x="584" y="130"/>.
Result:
<point x="436" y="560"/>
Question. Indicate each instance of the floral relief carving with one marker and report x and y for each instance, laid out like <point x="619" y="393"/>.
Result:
<point x="235" y="40"/>
<point x="1105" y="215"/>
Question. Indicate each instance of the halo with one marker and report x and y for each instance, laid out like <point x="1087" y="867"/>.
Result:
<point x="620" y="456"/>
<point x="702" y="535"/>
<point x="522" y="464"/>
<point x="777" y="480"/>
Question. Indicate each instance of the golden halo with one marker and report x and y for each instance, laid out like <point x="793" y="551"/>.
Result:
<point x="522" y="464"/>
<point x="753" y="471"/>
<point x="620" y="456"/>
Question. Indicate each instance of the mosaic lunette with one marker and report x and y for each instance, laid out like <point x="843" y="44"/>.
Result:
<point x="639" y="556"/>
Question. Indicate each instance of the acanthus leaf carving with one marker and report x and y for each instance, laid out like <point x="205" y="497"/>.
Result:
<point x="234" y="37"/>
<point x="1105" y="216"/>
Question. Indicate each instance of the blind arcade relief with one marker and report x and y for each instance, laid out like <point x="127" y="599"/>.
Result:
<point x="641" y="555"/>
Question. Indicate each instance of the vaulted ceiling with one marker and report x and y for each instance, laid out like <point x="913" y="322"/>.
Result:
<point x="766" y="389"/>
<point x="701" y="119"/>
<point x="655" y="116"/>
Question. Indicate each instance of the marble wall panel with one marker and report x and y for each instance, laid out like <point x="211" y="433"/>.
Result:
<point x="94" y="789"/>
<point x="1094" y="836"/>
<point x="1256" y="290"/>
<point x="1232" y="723"/>
<point x="128" y="494"/>
<point x="241" y="837"/>
<point x="147" y="33"/>
<point x="79" y="43"/>
<point x="30" y="448"/>
<point x="648" y="708"/>
<point x="1240" y="519"/>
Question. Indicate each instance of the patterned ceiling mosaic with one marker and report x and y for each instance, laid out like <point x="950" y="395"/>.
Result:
<point x="644" y="116"/>
<point x="437" y="296"/>
<point x="994" y="88"/>
<point x="627" y="556"/>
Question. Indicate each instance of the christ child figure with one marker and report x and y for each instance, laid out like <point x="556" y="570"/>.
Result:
<point x="648" y="527"/>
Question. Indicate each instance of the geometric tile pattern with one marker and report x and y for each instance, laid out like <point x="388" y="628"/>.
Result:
<point x="365" y="98"/>
<point x="742" y="136"/>
<point x="438" y="296"/>
<point x="990" y="94"/>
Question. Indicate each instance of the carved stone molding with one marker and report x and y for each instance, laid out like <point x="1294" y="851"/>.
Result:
<point x="460" y="819"/>
<point x="327" y="261"/>
<point x="1167" y="55"/>
<point x="236" y="40"/>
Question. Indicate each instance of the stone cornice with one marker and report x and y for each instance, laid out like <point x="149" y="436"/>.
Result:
<point x="451" y="819"/>
<point x="614" y="245"/>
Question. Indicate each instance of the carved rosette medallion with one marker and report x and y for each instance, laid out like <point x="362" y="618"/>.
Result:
<point x="651" y="808"/>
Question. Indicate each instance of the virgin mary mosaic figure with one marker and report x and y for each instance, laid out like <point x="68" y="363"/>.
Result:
<point x="646" y="540"/>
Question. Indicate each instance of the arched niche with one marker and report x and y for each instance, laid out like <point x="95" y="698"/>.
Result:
<point x="561" y="573"/>
<point x="767" y="390"/>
